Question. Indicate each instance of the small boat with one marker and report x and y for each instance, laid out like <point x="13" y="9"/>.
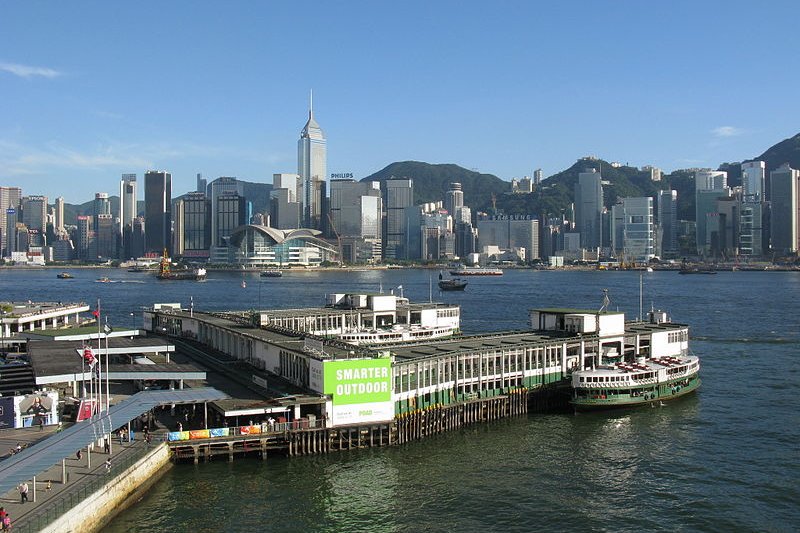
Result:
<point x="271" y="274"/>
<point x="64" y="275"/>
<point x="103" y="280"/>
<point x="244" y="284"/>
<point x="454" y="284"/>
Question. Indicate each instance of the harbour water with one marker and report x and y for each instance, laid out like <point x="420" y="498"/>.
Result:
<point x="725" y="459"/>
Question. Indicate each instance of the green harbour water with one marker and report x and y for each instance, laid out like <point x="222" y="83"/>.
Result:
<point x="724" y="459"/>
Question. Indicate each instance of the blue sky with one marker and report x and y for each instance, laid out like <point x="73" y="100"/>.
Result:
<point x="89" y="91"/>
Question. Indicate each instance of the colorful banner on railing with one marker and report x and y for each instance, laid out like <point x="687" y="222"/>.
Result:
<point x="249" y="430"/>
<point x="178" y="435"/>
<point x="219" y="432"/>
<point x="199" y="434"/>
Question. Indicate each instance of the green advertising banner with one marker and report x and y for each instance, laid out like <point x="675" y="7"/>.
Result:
<point x="358" y="381"/>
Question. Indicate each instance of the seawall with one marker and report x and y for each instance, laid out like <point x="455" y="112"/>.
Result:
<point x="120" y="492"/>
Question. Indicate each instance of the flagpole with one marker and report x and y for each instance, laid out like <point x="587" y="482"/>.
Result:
<point x="108" y="396"/>
<point x="99" y="364"/>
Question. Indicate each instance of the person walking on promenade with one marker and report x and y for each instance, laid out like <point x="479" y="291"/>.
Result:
<point x="78" y="455"/>
<point x="108" y="465"/>
<point x="23" y="492"/>
<point x="5" y="522"/>
<point x="106" y="446"/>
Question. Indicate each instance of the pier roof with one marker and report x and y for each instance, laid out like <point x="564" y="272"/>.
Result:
<point x="38" y="458"/>
<point x="58" y="361"/>
<point x="473" y="343"/>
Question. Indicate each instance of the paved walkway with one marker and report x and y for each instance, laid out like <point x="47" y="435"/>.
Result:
<point x="81" y="476"/>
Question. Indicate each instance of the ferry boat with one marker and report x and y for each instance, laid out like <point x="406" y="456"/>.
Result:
<point x="64" y="275"/>
<point x="397" y="334"/>
<point x="475" y="271"/>
<point x="695" y="269"/>
<point x="665" y="371"/>
<point x="271" y="274"/>
<point x="453" y="284"/>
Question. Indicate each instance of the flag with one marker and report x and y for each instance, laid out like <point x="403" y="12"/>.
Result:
<point x="96" y="313"/>
<point x="107" y="329"/>
<point x="88" y="356"/>
<point x="399" y="286"/>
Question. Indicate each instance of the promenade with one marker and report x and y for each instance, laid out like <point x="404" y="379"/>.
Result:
<point x="51" y="497"/>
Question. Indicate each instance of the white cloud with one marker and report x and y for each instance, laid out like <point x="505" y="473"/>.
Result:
<point x="26" y="71"/>
<point x="727" y="131"/>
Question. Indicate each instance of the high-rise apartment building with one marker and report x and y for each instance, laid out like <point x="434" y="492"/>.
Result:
<point x="158" y="211"/>
<point x="668" y="221"/>
<point x="785" y="212"/>
<point x="9" y="199"/>
<point x="589" y="209"/>
<point x="85" y="238"/>
<point x="399" y="196"/>
<point x="105" y="236"/>
<point x="312" y="168"/>
<point x="753" y="174"/>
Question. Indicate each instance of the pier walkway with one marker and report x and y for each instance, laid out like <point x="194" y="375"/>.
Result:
<point x="58" y="478"/>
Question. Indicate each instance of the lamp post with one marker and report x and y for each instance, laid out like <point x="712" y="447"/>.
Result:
<point x="133" y="321"/>
<point x="3" y="333"/>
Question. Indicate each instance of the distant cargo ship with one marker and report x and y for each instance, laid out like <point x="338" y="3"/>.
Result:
<point x="165" y="271"/>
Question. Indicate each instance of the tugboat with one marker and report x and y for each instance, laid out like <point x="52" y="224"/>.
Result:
<point x="64" y="275"/>
<point x="165" y="271"/>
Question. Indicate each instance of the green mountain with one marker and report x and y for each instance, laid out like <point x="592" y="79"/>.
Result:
<point x="432" y="181"/>
<point x="786" y="151"/>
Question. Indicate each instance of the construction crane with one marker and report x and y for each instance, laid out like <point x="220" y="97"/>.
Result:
<point x="338" y="238"/>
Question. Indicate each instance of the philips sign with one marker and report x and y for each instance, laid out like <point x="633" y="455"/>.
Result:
<point x="345" y="176"/>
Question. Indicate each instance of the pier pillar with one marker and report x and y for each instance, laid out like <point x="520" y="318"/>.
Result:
<point x="230" y="452"/>
<point x="63" y="471"/>
<point x="34" y="489"/>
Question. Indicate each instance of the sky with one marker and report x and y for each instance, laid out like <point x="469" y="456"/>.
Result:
<point x="92" y="90"/>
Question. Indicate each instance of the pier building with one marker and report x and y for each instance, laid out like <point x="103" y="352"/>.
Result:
<point x="21" y="318"/>
<point x="377" y="383"/>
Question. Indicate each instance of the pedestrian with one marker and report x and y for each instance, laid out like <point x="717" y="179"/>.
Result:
<point x="78" y="455"/>
<point x="108" y="465"/>
<point x="23" y="492"/>
<point x="180" y="427"/>
<point x="121" y="435"/>
<point x="49" y="485"/>
<point x="6" y="522"/>
<point x="106" y="446"/>
<point x="41" y="423"/>
<point x="148" y="438"/>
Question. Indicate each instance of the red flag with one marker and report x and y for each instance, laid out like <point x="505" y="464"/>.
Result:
<point x="88" y="356"/>
<point x="96" y="313"/>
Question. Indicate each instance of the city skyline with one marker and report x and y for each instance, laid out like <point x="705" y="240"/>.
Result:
<point x="565" y="81"/>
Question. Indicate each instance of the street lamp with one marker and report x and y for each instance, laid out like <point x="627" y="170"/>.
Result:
<point x="3" y="333"/>
<point x="133" y="321"/>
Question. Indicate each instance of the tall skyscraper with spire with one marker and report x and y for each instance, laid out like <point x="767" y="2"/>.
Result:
<point x="312" y="167"/>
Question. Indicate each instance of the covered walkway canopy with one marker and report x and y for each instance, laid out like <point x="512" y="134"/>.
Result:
<point x="28" y="463"/>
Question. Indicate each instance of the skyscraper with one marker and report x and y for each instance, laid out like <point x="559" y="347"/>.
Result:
<point x="454" y="199"/>
<point x="59" y="222"/>
<point x="668" y="221"/>
<point x="753" y="173"/>
<point x="202" y="183"/>
<point x="785" y="214"/>
<point x="158" y="211"/>
<point x="710" y="186"/>
<point x="34" y="212"/>
<point x="399" y="196"/>
<point x="312" y="168"/>
<point x="632" y="229"/>
<point x="589" y="209"/>
<point x="9" y="199"/>
<point x="228" y="212"/>
<point x="127" y="201"/>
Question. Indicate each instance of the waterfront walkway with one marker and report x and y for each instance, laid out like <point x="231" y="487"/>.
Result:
<point x="84" y="477"/>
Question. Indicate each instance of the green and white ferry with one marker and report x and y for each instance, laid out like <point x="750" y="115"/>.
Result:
<point x="634" y="372"/>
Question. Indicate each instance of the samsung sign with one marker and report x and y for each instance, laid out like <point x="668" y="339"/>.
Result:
<point x="345" y="176"/>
